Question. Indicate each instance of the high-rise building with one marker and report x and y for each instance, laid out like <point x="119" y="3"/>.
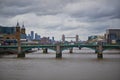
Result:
<point x="53" y="39"/>
<point x="32" y="35"/>
<point x="37" y="37"/>
<point x="63" y="38"/>
<point x="28" y="37"/>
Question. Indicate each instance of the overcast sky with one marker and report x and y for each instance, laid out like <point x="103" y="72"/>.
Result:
<point x="57" y="17"/>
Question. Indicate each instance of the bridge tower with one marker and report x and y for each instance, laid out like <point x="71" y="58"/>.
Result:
<point x="76" y="38"/>
<point x="23" y="29"/>
<point x="18" y="34"/>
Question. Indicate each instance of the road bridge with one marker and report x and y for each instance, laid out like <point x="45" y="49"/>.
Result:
<point x="99" y="48"/>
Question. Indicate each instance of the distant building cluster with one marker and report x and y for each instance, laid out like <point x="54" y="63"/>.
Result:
<point x="112" y="36"/>
<point x="33" y="36"/>
<point x="47" y="40"/>
<point x="9" y="35"/>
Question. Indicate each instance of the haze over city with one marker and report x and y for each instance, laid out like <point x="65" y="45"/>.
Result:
<point x="57" y="17"/>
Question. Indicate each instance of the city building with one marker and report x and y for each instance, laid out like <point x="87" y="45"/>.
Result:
<point x="45" y="40"/>
<point x="28" y="37"/>
<point x="112" y="36"/>
<point x="53" y="39"/>
<point x="94" y="39"/>
<point x="32" y="35"/>
<point x="9" y="35"/>
<point x="37" y="37"/>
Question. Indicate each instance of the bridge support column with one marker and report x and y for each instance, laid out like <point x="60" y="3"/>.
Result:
<point x="45" y="50"/>
<point x="79" y="48"/>
<point x="100" y="55"/>
<point x="96" y="51"/>
<point x="21" y="55"/>
<point x="99" y="52"/>
<point x="58" y="51"/>
<point x="71" y="50"/>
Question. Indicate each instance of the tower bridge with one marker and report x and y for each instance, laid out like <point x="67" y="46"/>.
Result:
<point x="64" y="38"/>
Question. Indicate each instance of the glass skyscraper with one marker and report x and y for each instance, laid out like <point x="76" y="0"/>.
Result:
<point x="32" y="35"/>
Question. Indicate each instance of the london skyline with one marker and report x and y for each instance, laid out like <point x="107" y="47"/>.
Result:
<point x="57" y="17"/>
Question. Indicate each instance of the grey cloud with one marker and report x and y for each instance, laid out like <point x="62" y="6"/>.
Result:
<point x="98" y="29"/>
<point x="39" y="7"/>
<point x="95" y="9"/>
<point x="102" y="8"/>
<point x="11" y="8"/>
<point x="60" y="28"/>
<point x="95" y="13"/>
<point x="67" y="28"/>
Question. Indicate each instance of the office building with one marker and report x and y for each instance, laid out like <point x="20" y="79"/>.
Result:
<point x="37" y="37"/>
<point x="32" y="35"/>
<point x="112" y="36"/>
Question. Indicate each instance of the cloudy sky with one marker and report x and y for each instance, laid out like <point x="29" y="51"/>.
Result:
<point x="57" y="17"/>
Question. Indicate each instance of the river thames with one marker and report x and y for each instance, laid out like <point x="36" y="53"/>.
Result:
<point x="80" y="65"/>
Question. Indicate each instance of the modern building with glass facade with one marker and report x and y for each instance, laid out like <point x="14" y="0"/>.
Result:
<point x="113" y="36"/>
<point x="7" y="30"/>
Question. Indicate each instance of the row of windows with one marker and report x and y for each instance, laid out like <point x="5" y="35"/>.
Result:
<point x="7" y="30"/>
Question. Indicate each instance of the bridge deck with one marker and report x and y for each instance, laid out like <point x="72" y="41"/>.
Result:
<point x="47" y="46"/>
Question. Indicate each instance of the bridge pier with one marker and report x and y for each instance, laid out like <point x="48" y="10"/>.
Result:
<point x="79" y="48"/>
<point x="45" y="50"/>
<point x="58" y="51"/>
<point x="99" y="51"/>
<point x="38" y="48"/>
<point x="21" y="55"/>
<point x="96" y="51"/>
<point x="99" y="55"/>
<point x="71" y="50"/>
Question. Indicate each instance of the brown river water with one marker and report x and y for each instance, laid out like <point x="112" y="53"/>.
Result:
<point x="81" y="65"/>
